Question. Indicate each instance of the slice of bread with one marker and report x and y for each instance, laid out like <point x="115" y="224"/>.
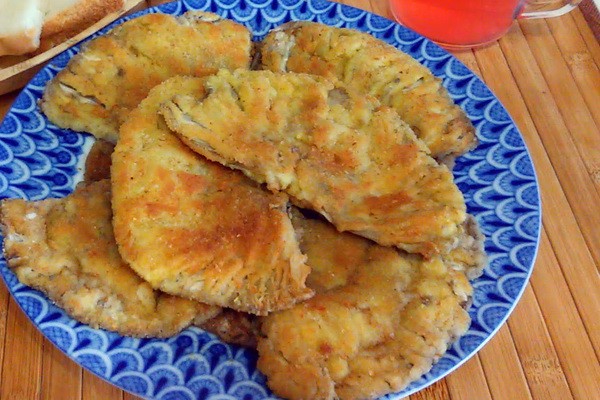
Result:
<point x="20" y="26"/>
<point x="24" y="22"/>
<point x="66" y="18"/>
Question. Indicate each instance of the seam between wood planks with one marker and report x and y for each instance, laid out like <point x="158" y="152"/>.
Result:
<point x="550" y="173"/>
<point x="591" y="162"/>
<point x="562" y="345"/>
<point x="589" y="158"/>
<point x="571" y="293"/>
<point x="580" y="38"/>
<point x="586" y="33"/>
<point x="566" y="181"/>
<point x="503" y="348"/>
<point x="545" y="380"/>
<point x="521" y="364"/>
<point x="563" y="363"/>
<point x="456" y="380"/>
<point x="5" y="297"/>
<point x="30" y="337"/>
<point x="584" y="253"/>
<point x="578" y="60"/>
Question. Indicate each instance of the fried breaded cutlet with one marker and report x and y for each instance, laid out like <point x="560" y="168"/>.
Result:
<point x="193" y="228"/>
<point x="373" y="67"/>
<point x="331" y="149"/>
<point x="379" y="320"/>
<point x="333" y="269"/>
<point x="66" y="248"/>
<point x="230" y="326"/>
<point x="99" y="87"/>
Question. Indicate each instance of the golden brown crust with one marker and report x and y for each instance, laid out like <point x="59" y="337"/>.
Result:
<point x="64" y="25"/>
<point x="373" y="67"/>
<point x="194" y="228"/>
<point x="113" y="73"/>
<point x="66" y="248"/>
<point x="379" y="320"/>
<point x="331" y="149"/>
<point x="79" y="16"/>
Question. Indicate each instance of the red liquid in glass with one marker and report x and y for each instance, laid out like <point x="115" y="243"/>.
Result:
<point x="457" y="22"/>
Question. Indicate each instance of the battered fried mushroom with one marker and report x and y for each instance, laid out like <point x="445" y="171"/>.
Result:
<point x="66" y="249"/>
<point x="379" y="320"/>
<point x="373" y="67"/>
<point x="333" y="150"/>
<point x="99" y="87"/>
<point x="193" y="228"/>
<point x="230" y="326"/>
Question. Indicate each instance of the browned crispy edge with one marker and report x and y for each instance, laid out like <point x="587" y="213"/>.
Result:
<point x="73" y="20"/>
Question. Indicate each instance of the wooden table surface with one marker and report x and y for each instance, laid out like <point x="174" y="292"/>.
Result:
<point x="546" y="73"/>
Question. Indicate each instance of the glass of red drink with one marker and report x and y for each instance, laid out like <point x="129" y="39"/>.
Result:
<point x="460" y="24"/>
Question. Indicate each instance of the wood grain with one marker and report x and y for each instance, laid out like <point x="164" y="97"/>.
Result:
<point x="546" y="73"/>
<point x="541" y="364"/>
<point x="542" y="105"/>
<point x="61" y="377"/>
<point x="437" y="391"/>
<point x="588" y="36"/>
<point x="565" y="229"/>
<point x="4" y="301"/>
<point x="94" y="388"/>
<point x="501" y="364"/>
<point x="574" y="50"/>
<point x="570" y="102"/>
<point x="570" y="339"/>
<point x="469" y="382"/>
<point x="22" y="362"/>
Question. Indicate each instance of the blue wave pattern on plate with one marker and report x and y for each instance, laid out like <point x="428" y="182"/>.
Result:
<point x="39" y="160"/>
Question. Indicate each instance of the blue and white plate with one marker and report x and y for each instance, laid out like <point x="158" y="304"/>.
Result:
<point x="39" y="160"/>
